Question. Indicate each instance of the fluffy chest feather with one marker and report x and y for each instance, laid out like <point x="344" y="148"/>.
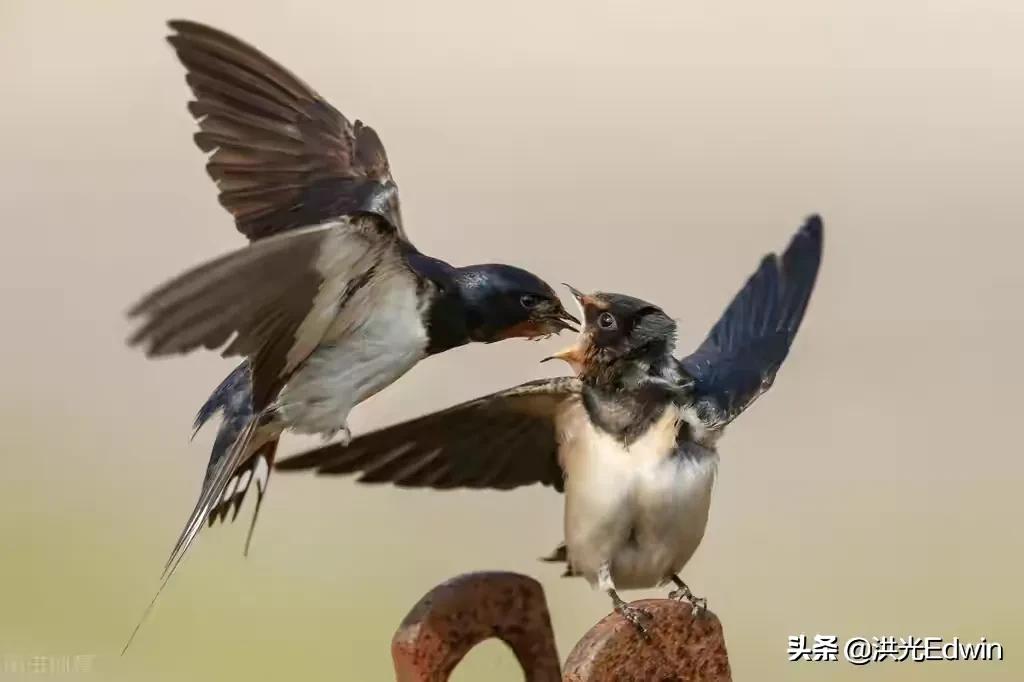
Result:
<point x="641" y="508"/>
<point x="374" y="339"/>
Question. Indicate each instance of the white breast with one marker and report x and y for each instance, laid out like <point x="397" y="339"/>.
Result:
<point x="374" y="340"/>
<point x="642" y="509"/>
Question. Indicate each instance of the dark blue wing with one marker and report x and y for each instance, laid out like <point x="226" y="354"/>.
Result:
<point x="738" y="360"/>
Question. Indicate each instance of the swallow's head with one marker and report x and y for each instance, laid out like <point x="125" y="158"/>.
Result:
<point x="617" y="328"/>
<point x="506" y="302"/>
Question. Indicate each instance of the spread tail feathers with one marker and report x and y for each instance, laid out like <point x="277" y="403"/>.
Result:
<point x="229" y="476"/>
<point x="233" y="399"/>
<point x="254" y="470"/>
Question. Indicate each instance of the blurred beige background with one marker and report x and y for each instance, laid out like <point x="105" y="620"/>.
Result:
<point x="654" y="148"/>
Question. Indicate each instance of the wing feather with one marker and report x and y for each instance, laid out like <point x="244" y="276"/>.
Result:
<point x="504" y="440"/>
<point x="738" y="360"/>
<point x="281" y="156"/>
<point x="271" y="301"/>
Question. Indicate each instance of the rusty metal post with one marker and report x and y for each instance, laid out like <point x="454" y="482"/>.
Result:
<point x="682" y="647"/>
<point x="456" y="615"/>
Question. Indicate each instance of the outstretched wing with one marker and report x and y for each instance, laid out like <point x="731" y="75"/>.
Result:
<point x="738" y="360"/>
<point x="282" y="156"/>
<point x="274" y="300"/>
<point x="505" y="440"/>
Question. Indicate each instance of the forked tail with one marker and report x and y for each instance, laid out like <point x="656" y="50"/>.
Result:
<point x="243" y="454"/>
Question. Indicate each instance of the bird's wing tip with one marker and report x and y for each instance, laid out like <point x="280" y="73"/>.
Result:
<point x="183" y="25"/>
<point x="814" y="225"/>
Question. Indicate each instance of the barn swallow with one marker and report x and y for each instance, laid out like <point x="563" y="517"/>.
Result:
<point x="330" y="302"/>
<point x="631" y="439"/>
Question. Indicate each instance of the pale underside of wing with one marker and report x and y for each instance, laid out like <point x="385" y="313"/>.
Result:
<point x="271" y="301"/>
<point x="281" y="156"/>
<point x="501" y="441"/>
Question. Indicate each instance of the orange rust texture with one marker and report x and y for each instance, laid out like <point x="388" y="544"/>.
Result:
<point x="456" y="615"/>
<point x="682" y="647"/>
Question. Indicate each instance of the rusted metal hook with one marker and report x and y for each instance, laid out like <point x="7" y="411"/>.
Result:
<point x="455" y="616"/>
<point x="458" y="614"/>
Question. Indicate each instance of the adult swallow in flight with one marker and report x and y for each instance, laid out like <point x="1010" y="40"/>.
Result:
<point x="631" y="439"/>
<point x="331" y="302"/>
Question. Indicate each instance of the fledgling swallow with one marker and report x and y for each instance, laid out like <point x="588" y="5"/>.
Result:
<point x="631" y="439"/>
<point x="330" y="302"/>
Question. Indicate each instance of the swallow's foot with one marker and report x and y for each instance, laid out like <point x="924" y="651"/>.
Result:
<point x="683" y="593"/>
<point x="639" y="617"/>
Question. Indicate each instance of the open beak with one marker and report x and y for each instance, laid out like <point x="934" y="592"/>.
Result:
<point x="583" y="300"/>
<point x="563" y="319"/>
<point x="572" y="355"/>
<point x="575" y="354"/>
<point x="552" y="318"/>
<point x="576" y="293"/>
<point x="542" y="323"/>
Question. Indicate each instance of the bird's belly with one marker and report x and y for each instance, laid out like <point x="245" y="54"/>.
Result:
<point x="669" y="513"/>
<point x="641" y="509"/>
<point x="354" y="362"/>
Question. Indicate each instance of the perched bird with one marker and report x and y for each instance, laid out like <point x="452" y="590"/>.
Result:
<point x="331" y="302"/>
<point x="631" y="439"/>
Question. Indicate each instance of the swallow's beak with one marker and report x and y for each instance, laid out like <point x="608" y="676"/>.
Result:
<point x="576" y="293"/>
<point x="551" y="317"/>
<point x="583" y="300"/>
<point x="565" y="320"/>
<point x="573" y="355"/>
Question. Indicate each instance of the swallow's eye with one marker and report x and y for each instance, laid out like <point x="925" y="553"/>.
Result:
<point x="606" y="321"/>
<point x="530" y="301"/>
